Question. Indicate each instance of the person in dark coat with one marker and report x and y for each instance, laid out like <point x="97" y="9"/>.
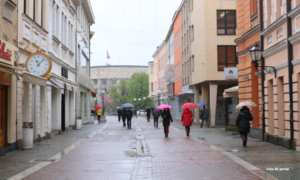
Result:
<point x="148" y="113"/>
<point x="119" y="114"/>
<point x="204" y="116"/>
<point x="129" y="117"/>
<point x="135" y="113"/>
<point x="156" y="115"/>
<point x="124" y="116"/>
<point x="243" y="123"/>
<point x="166" y="120"/>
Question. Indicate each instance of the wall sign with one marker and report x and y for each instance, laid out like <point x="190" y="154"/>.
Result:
<point x="231" y="73"/>
<point x="169" y="71"/>
<point x="185" y="88"/>
<point x="214" y="83"/>
<point x="6" y="51"/>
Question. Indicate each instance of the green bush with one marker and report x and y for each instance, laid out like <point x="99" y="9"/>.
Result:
<point x="231" y="128"/>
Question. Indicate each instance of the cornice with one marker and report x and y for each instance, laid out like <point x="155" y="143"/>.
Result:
<point x="55" y="39"/>
<point x="274" y="25"/>
<point x="275" y="49"/>
<point x="293" y="13"/>
<point x="247" y="34"/>
<point x="295" y="38"/>
<point x="64" y="79"/>
<point x="296" y="61"/>
<point x="64" y="47"/>
<point x="254" y="16"/>
<point x="245" y="52"/>
<point x="62" y="63"/>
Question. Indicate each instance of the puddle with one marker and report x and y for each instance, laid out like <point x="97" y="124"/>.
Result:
<point x="130" y="153"/>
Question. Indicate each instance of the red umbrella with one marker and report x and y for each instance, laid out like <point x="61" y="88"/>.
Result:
<point x="97" y="107"/>
<point x="189" y="106"/>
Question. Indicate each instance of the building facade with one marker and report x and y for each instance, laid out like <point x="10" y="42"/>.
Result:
<point x="8" y="80"/>
<point x="103" y="77"/>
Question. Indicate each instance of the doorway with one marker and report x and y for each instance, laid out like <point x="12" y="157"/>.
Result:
<point x="63" y="118"/>
<point x="3" y="116"/>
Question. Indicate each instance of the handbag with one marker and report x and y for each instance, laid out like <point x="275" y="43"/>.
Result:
<point x="192" y="119"/>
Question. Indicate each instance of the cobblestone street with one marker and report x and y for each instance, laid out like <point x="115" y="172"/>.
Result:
<point x="114" y="152"/>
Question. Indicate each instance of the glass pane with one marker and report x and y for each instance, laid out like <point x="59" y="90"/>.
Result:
<point x="231" y="31"/>
<point x="231" y="65"/>
<point x="231" y="54"/>
<point x="221" y="54"/>
<point x="221" y="31"/>
<point x="221" y="22"/>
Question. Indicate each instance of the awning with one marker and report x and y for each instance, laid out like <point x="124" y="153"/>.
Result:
<point x="189" y="92"/>
<point x="33" y="79"/>
<point x="93" y="94"/>
<point x="57" y="85"/>
<point x="10" y="69"/>
<point x="231" y="92"/>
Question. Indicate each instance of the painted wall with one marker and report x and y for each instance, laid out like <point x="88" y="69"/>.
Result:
<point x="177" y="54"/>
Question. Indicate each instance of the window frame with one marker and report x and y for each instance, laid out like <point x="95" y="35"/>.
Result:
<point x="226" y="60"/>
<point x="226" y="23"/>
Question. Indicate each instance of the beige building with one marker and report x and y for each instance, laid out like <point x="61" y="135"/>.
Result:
<point x="209" y="30"/>
<point x="8" y="80"/>
<point x="103" y="77"/>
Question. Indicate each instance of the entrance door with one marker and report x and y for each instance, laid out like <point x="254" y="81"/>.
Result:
<point x="63" y="124"/>
<point x="3" y="115"/>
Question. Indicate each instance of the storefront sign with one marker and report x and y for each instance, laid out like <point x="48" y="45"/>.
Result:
<point x="185" y="88"/>
<point x="214" y="83"/>
<point x="231" y="73"/>
<point x="169" y="71"/>
<point x="6" y="52"/>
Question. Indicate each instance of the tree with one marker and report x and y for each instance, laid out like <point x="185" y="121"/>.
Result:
<point x="108" y="103"/>
<point x="118" y="93"/>
<point x="138" y="87"/>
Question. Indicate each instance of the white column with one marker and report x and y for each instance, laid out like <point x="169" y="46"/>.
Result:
<point x="88" y="105"/>
<point x="82" y="108"/>
<point x="67" y="109"/>
<point x="26" y="102"/>
<point x="213" y="88"/>
<point x="49" y="89"/>
<point x="34" y="109"/>
<point x="59" y="99"/>
<point x="42" y="101"/>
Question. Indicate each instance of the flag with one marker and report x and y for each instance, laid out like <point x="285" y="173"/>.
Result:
<point x="108" y="57"/>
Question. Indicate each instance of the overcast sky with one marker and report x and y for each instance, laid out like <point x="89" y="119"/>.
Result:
<point x="130" y="30"/>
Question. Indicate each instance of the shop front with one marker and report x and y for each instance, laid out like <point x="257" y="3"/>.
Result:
<point x="231" y="99"/>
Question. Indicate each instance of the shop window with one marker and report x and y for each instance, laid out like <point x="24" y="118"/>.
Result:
<point x="226" y="57"/>
<point x="226" y="22"/>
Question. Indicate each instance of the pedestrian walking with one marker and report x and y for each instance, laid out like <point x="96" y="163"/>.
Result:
<point x="148" y="113"/>
<point x="156" y="115"/>
<point x="135" y="113"/>
<point x="119" y="114"/>
<point x="204" y="116"/>
<point x="187" y="119"/>
<point x="99" y="113"/>
<point x="243" y="123"/>
<point x="129" y="117"/>
<point x="166" y="120"/>
<point x="124" y="116"/>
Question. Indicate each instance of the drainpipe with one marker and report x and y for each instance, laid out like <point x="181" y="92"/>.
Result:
<point x="261" y="11"/>
<point x="290" y="69"/>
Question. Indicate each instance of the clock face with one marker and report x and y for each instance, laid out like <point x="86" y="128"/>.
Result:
<point x="38" y="64"/>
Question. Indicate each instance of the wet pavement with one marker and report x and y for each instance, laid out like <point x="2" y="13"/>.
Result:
<point x="114" y="152"/>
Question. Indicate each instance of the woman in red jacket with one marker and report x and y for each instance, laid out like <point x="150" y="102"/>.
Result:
<point x="187" y="118"/>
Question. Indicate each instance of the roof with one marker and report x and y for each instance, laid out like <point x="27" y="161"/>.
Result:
<point x="119" y="66"/>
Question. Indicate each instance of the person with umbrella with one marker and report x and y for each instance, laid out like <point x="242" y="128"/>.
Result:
<point x="243" y="120"/>
<point x="156" y="115"/>
<point x="124" y="115"/>
<point x="148" y="113"/>
<point x="135" y="113"/>
<point x="187" y="119"/>
<point x="204" y="116"/>
<point x="119" y="114"/>
<point x="99" y="113"/>
<point x="129" y="117"/>
<point x="166" y="115"/>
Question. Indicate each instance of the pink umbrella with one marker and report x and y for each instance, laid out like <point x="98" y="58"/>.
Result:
<point x="189" y="106"/>
<point x="163" y="106"/>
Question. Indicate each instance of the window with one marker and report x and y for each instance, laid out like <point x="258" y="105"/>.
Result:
<point x="226" y="57"/>
<point x="226" y="22"/>
<point x="53" y="19"/>
<point x="103" y="81"/>
<point x="269" y="40"/>
<point x="95" y="81"/>
<point x="279" y="34"/>
<point x="192" y="33"/>
<point x="114" y="82"/>
<point x="151" y="87"/>
<point x="34" y="5"/>
<point x="62" y="27"/>
<point x="42" y="14"/>
<point x="25" y="5"/>
<point x="193" y="65"/>
<point x="191" y="4"/>
<point x="57" y="23"/>
<point x="151" y="70"/>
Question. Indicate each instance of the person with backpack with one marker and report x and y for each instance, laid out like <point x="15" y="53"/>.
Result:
<point x="243" y="123"/>
<point x="99" y="113"/>
<point x="124" y="116"/>
<point x="156" y="115"/>
<point x="204" y="116"/>
<point x="129" y="117"/>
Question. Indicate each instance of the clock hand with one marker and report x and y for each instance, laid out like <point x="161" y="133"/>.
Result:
<point x="40" y="63"/>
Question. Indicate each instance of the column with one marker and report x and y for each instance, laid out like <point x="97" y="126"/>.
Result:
<point x="26" y="102"/>
<point x="67" y="109"/>
<point x="213" y="103"/>
<point x="197" y="114"/>
<point x="42" y="101"/>
<point x="82" y="103"/>
<point x="34" y="109"/>
<point x="49" y="91"/>
<point x="205" y="95"/>
<point x="12" y="116"/>
<point x="88" y="106"/>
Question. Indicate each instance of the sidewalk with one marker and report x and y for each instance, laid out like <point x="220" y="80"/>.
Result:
<point x="261" y="154"/>
<point x="20" y="160"/>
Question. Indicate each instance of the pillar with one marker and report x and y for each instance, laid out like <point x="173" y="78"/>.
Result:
<point x="88" y="106"/>
<point x="34" y="109"/>
<point x="42" y="101"/>
<point x="49" y="92"/>
<point x="67" y="108"/>
<point x="12" y="116"/>
<point x="197" y="113"/>
<point x="82" y="102"/>
<point x="205" y="94"/>
<point x="213" y="88"/>
<point x="26" y="102"/>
